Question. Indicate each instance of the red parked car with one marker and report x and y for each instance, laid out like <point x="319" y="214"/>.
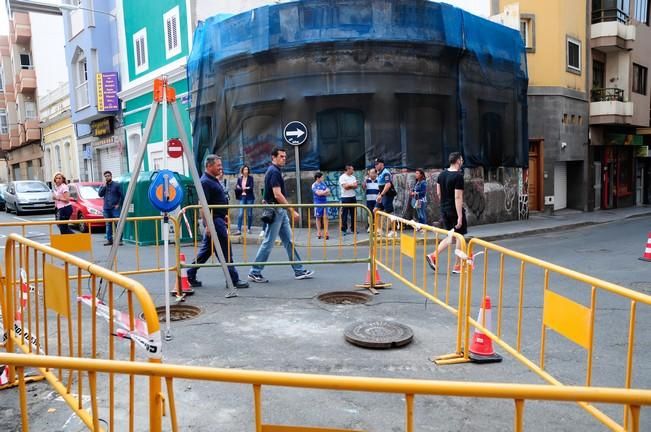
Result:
<point x="86" y="204"/>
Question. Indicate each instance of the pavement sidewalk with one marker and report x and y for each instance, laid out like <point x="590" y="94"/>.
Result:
<point x="536" y="224"/>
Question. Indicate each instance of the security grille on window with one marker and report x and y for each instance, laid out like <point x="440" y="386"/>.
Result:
<point x="172" y="31"/>
<point x="639" y="79"/>
<point x="140" y="50"/>
<point x="573" y="55"/>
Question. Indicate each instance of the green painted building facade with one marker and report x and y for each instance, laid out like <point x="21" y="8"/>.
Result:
<point x="155" y="39"/>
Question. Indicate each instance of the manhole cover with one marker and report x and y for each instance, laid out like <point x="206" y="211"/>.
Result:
<point x="177" y="312"/>
<point x="344" y="297"/>
<point x="378" y="334"/>
<point x="642" y="286"/>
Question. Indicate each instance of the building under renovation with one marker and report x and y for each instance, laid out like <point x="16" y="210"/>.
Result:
<point x="409" y="81"/>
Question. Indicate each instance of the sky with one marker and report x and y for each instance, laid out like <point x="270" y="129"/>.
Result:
<point x="48" y="38"/>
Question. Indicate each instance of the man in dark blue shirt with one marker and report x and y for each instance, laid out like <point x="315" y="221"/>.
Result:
<point x="215" y="195"/>
<point x="112" y="193"/>
<point x="274" y="193"/>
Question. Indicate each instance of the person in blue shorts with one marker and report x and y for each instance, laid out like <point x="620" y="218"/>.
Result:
<point x="320" y="191"/>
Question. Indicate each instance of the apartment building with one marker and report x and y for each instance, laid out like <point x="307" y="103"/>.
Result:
<point x="620" y="42"/>
<point x="23" y="149"/>
<point x="589" y="102"/>
<point x="59" y="141"/>
<point x="6" y="92"/>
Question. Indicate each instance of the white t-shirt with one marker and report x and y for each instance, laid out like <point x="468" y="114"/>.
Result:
<point x="347" y="179"/>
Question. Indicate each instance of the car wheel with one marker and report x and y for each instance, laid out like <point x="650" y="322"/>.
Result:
<point x="19" y="212"/>
<point x="7" y="209"/>
<point x="82" y="226"/>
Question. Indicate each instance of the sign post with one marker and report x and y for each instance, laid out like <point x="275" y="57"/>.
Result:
<point x="295" y="134"/>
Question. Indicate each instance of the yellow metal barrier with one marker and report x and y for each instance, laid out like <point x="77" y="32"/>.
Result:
<point x="519" y="393"/>
<point x="338" y="249"/>
<point x="396" y="251"/>
<point x="50" y="307"/>
<point x="145" y="230"/>
<point x="567" y="317"/>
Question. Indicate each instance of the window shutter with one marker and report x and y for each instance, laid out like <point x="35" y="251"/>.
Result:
<point x="138" y="59"/>
<point x="168" y="24"/>
<point x="142" y="51"/>
<point x="175" y="41"/>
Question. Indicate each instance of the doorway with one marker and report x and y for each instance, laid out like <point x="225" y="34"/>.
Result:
<point x="535" y="180"/>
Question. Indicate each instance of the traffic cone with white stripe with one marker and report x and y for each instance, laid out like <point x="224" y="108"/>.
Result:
<point x="647" y="251"/>
<point x="378" y="280"/>
<point x="481" y="350"/>
<point x="185" y="284"/>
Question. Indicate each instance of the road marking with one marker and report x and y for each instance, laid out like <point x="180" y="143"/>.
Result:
<point x="21" y="219"/>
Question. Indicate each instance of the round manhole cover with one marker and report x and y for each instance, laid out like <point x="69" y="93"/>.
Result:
<point x="177" y="312"/>
<point x="378" y="334"/>
<point x="344" y="297"/>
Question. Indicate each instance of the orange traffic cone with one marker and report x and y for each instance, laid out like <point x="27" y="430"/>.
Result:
<point x="185" y="284"/>
<point x="647" y="251"/>
<point x="481" y="350"/>
<point x="378" y="280"/>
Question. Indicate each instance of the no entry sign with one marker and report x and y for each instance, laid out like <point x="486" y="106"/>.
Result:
<point x="174" y="148"/>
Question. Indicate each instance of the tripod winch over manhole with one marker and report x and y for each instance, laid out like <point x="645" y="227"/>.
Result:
<point x="378" y="334"/>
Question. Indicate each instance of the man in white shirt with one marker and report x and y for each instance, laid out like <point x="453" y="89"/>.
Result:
<point x="348" y="184"/>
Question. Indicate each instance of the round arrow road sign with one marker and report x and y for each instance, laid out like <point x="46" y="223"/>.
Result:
<point x="295" y="133"/>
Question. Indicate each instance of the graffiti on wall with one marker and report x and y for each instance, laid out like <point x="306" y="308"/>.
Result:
<point x="523" y="187"/>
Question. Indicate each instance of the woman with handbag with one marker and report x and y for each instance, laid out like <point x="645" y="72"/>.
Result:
<point x="62" y="202"/>
<point x="245" y="195"/>
<point x="419" y="196"/>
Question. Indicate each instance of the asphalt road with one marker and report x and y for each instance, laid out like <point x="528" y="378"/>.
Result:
<point x="280" y="326"/>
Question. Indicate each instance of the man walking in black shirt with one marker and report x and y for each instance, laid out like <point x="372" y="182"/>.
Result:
<point x="274" y="193"/>
<point x="449" y="188"/>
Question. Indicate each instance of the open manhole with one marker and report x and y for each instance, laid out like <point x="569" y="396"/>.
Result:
<point x="344" y="297"/>
<point x="379" y="334"/>
<point x="177" y="312"/>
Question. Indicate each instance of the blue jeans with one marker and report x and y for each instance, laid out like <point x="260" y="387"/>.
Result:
<point x="280" y="227"/>
<point x="204" y="251"/>
<point x="421" y="214"/>
<point x="64" y="214"/>
<point x="347" y="212"/>
<point x="108" y="214"/>
<point x="249" y="213"/>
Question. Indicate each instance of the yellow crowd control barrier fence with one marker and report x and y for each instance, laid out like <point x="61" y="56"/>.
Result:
<point x="336" y="248"/>
<point x="139" y="232"/>
<point x="401" y="249"/>
<point x="519" y="393"/>
<point x="50" y="307"/>
<point x="569" y="308"/>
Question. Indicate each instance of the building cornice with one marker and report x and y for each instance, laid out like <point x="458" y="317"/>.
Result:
<point x="175" y="72"/>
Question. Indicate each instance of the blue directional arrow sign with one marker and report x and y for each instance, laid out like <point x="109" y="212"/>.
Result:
<point x="295" y="133"/>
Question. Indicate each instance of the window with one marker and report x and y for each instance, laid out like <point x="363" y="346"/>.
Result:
<point x="2" y="79"/>
<point x="25" y="61"/>
<point x="140" y="53"/>
<point x="610" y="10"/>
<point x="81" y="82"/>
<point x="639" y="79"/>
<point x="598" y="74"/>
<point x="30" y="110"/>
<point x="573" y="55"/>
<point x="642" y="11"/>
<point x="172" y="32"/>
<point x="4" y="125"/>
<point x="340" y="138"/>
<point x="527" y="31"/>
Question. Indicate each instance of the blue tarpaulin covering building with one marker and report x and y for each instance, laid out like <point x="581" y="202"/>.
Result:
<point x="410" y="81"/>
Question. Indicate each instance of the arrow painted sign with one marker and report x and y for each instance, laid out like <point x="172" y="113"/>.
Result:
<point x="295" y="133"/>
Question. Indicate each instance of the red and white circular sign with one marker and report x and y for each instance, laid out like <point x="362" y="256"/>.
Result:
<point x="174" y="148"/>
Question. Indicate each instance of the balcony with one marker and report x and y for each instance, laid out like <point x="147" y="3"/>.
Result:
<point x="32" y="130"/>
<point x="14" y="137"/>
<point x="21" y="29"/>
<point x="10" y="94"/>
<point x="26" y="81"/>
<point x="611" y="30"/>
<point x="607" y="106"/>
<point x="5" y="144"/>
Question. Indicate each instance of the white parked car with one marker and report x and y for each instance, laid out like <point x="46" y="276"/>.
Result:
<point x="28" y="195"/>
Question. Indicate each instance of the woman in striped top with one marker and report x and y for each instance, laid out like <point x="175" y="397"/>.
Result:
<point x="372" y="189"/>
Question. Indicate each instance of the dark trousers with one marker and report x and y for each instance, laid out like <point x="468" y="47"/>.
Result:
<point x="204" y="251"/>
<point x="346" y="212"/>
<point x="64" y="213"/>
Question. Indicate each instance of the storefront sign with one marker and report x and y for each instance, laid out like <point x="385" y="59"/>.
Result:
<point x="642" y="151"/>
<point x="624" y="139"/>
<point x="107" y="92"/>
<point x="102" y="127"/>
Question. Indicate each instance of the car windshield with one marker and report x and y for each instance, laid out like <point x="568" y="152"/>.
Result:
<point x="31" y="187"/>
<point x="89" y="192"/>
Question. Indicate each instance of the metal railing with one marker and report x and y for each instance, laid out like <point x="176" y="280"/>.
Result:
<point x="519" y="393"/>
<point x="50" y="309"/>
<point x="558" y="287"/>
<point x="607" y="95"/>
<point x="609" y="14"/>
